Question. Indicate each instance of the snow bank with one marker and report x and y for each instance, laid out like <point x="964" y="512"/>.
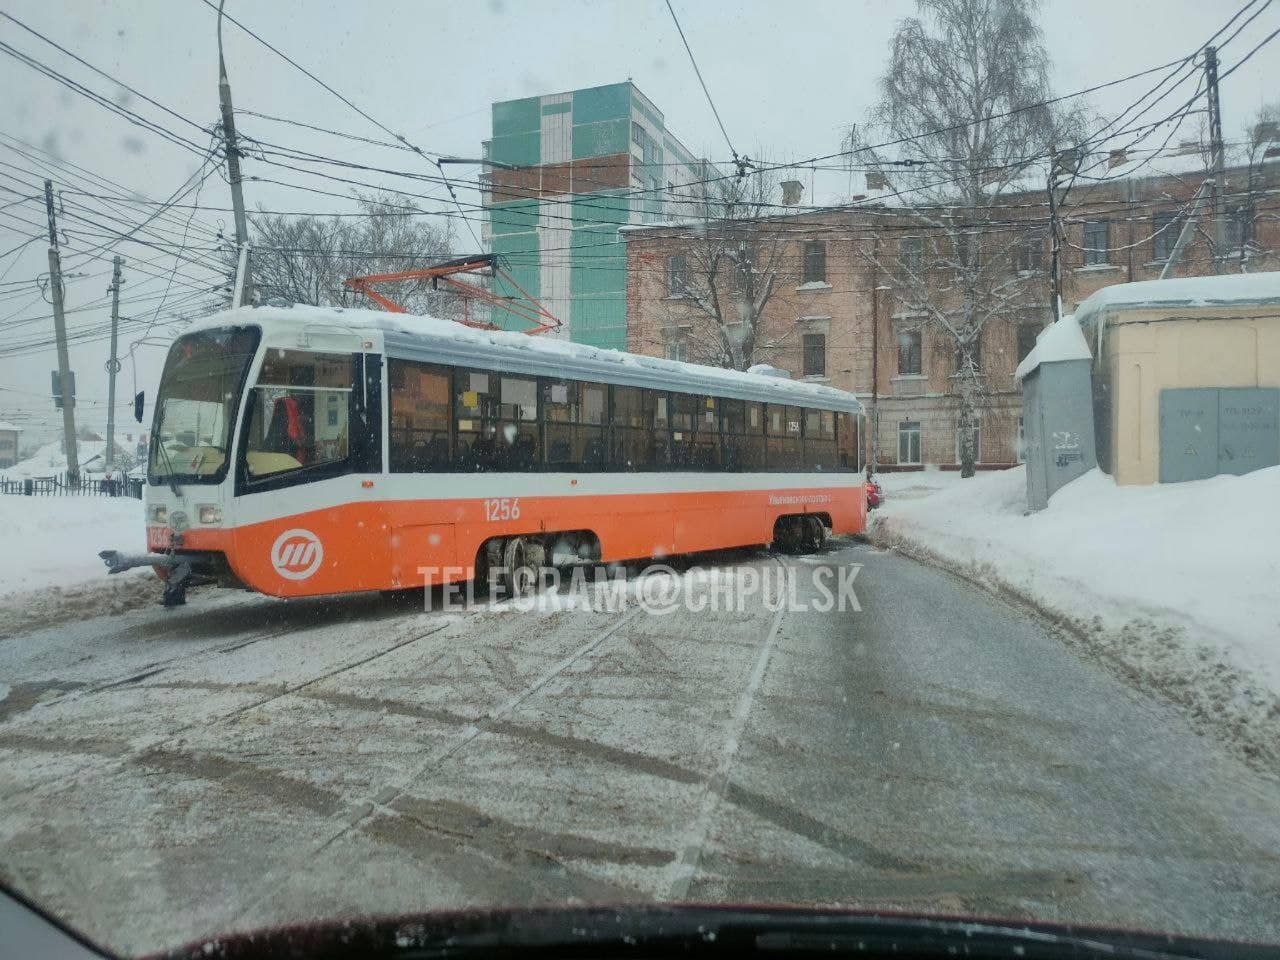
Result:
<point x="49" y="460"/>
<point x="54" y="541"/>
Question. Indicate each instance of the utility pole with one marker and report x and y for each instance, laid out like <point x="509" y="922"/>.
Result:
<point x="233" y="163"/>
<point x="1218" y="159"/>
<point x="1055" y="264"/>
<point x="60" y="331"/>
<point x="113" y="364"/>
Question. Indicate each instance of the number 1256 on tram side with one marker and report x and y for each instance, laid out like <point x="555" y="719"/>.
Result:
<point x="302" y="451"/>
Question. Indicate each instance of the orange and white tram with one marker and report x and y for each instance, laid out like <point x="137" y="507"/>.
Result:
<point x="301" y="451"/>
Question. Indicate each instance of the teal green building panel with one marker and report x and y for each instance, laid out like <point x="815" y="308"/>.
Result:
<point x="519" y="149"/>
<point x="514" y="216"/>
<point x="611" y="102"/>
<point x="519" y="256"/>
<point x="550" y="108"/>
<point x="517" y="116"/>
<point x="601" y="139"/>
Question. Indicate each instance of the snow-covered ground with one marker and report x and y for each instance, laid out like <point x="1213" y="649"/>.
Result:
<point x="1179" y="583"/>
<point x="54" y="541"/>
<point x="49" y="460"/>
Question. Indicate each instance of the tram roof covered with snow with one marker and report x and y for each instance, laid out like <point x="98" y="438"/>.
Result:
<point x="436" y="340"/>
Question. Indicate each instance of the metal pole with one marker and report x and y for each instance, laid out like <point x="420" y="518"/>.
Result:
<point x="233" y="155"/>
<point x="113" y="364"/>
<point x="1219" y="161"/>
<point x="1055" y="272"/>
<point x="60" y="331"/>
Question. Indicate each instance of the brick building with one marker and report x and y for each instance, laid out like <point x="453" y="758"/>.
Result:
<point x="839" y="311"/>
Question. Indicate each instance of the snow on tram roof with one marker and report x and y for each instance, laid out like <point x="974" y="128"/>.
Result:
<point x="445" y="341"/>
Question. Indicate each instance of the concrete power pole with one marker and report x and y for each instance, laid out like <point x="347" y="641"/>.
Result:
<point x="233" y="166"/>
<point x="1055" y="265"/>
<point x="1218" y="159"/>
<point x="60" y="331"/>
<point x="113" y="364"/>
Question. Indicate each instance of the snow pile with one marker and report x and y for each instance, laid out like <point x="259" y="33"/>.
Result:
<point x="1176" y="583"/>
<point x="54" y="541"/>
<point x="1061" y="340"/>
<point x="49" y="460"/>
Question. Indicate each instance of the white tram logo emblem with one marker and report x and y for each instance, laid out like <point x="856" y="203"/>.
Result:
<point x="296" y="554"/>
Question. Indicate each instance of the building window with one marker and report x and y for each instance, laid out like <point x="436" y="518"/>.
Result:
<point x="909" y="441"/>
<point x="909" y="360"/>
<point x="1029" y="255"/>
<point x="677" y="350"/>
<point x="677" y="275"/>
<point x="911" y="253"/>
<point x="1097" y="238"/>
<point x="1027" y="333"/>
<point x="1165" y="228"/>
<point x="977" y="442"/>
<point x="815" y="354"/>
<point x="1239" y="228"/>
<point x="815" y="261"/>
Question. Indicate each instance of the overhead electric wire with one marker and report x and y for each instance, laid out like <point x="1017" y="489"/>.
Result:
<point x="703" y="83"/>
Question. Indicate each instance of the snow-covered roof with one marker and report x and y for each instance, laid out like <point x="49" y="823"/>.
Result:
<point x="445" y="341"/>
<point x="1231" y="288"/>
<point x="1061" y="340"/>
<point x="5" y="425"/>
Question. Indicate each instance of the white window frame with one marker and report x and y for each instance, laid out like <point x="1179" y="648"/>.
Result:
<point x="905" y="429"/>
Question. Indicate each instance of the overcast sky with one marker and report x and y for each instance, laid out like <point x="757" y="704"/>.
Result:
<point x="787" y="77"/>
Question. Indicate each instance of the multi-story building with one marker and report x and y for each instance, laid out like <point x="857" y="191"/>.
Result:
<point x="565" y="171"/>
<point x="840" y="310"/>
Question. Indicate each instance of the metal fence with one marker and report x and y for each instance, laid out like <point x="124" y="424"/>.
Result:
<point x="60" y="485"/>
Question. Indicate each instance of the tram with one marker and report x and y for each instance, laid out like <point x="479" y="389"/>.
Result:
<point x="302" y="451"/>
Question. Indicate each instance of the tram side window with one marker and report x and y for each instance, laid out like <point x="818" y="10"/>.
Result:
<point x="733" y="427"/>
<point x="849" y="443"/>
<point x="632" y="417"/>
<point x="685" y="414"/>
<point x="819" y="439"/>
<point x="574" y="424"/>
<point x="473" y="404"/>
<point x="706" y="434"/>
<point x="419" y="403"/>
<point x="660" y="438"/>
<point x="753" y="448"/>
<point x="784" y="433"/>
<point x="301" y="409"/>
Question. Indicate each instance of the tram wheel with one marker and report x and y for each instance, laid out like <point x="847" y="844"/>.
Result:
<point x="816" y="532"/>
<point x="519" y="573"/>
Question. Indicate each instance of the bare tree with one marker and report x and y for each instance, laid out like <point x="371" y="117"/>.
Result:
<point x="1262" y="136"/>
<point x="305" y="259"/>
<point x="963" y="98"/>
<point x="724" y="269"/>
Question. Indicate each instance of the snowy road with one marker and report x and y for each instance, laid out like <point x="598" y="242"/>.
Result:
<point x="170" y="775"/>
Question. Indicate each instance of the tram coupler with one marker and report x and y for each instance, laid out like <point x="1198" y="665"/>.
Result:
<point x="179" y="567"/>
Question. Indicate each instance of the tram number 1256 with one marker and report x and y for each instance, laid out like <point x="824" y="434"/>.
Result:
<point x="502" y="508"/>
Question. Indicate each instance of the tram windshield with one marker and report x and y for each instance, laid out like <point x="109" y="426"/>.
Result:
<point x="202" y="380"/>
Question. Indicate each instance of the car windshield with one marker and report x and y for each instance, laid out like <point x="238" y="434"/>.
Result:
<point x="196" y="403"/>
<point x="642" y="475"/>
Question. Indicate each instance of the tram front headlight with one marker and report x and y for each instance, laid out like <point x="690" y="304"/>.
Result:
<point x="210" y="513"/>
<point x="159" y="513"/>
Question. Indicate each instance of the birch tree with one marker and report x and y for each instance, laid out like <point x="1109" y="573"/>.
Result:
<point x="963" y="100"/>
